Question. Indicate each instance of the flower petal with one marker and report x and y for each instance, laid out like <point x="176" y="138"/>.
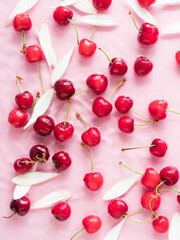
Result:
<point x="114" y="233"/>
<point x="98" y="20"/>
<point x="166" y="2"/>
<point x="52" y="198"/>
<point x="121" y="187"/>
<point x="66" y="3"/>
<point x="85" y="6"/>
<point x="174" y="229"/>
<point x="172" y="28"/>
<point x="41" y="106"/>
<point x="61" y="66"/>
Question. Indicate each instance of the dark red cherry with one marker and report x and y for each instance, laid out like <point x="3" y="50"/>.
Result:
<point x="117" y="208"/>
<point x="151" y="178"/>
<point x="63" y="132"/>
<point x="92" y="223"/>
<point x="157" y="109"/>
<point x="161" y="225"/>
<point x="155" y="202"/>
<point x="20" y="206"/>
<point x="61" y="211"/>
<point x="91" y="137"/>
<point x="87" y="47"/>
<point x="98" y="83"/>
<point x="44" y="125"/>
<point x="123" y="104"/>
<point x="126" y="124"/>
<point x="18" y="118"/>
<point x="23" y="165"/>
<point x="24" y="100"/>
<point x="39" y="153"/>
<point x="62" y="160"/>
<point x="148" y="34"/>
<point x="118" y="67"/>
<point x="34" y="53"/>
<point x="64" y="89"/>
<point x="143" y="66"/>
<point x="159" y="149"/>
<point x="146" y="3"/>
<point x="21" y="22"/>
<point x="101" y="107"/>
<point x="170" y="175"/>
<point x="102" y="4"/>
<point x="178" y="199"/>
<point x="93" y="181"/>
<point x="62" y="14"/>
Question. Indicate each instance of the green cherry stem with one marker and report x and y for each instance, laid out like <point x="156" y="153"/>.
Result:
<point x="18" y="79"/>
<point x="35" y="100"/>
<point x="125" y="149"/>
<point x="130" y="13"/>
<point x="93" y="33"/>
<point x="133" y="213"/>
<point x="50" y="228"/>
<point x="174" y="190"/>
<point x="159" y="186"/>
<point x="67" y="114"/>
<point x="83" y="145"/>
<point x="141" y="115"/>
<point x="85" y="90"/>
<point x="40" y="75"/>
<point x="137" y="221"/>
<point x="43" y="159"/>
<point x="154" y="214"/>
<point x="24" y="43"/>
<point x="172" y="111"/>
<point x="118" y="86"/>
<point x="10" y="215"/>
<point x="82" y="120"/>
<point x="131" y="169"/>
<point x="77" y="233"/>
<point x="75" y="30"/>
<point x="105" y="54"/>
<point x="147" y="124"/>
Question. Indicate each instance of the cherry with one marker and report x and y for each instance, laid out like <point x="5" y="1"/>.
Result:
<point x="64" y="89"/>
<point x="22" y="22"/>
<point x="143" y="66"/>
<point x="145" y="3"/>
<point x="151" y="178"/>
<point x="101" y="107"/>
<point x="170" y="175"/>
<point x="87" y="47"/>
<point x="18" y="118"/>
<point x="117" y="208"/>
<point x="126" y="124"/>
<point x="61" y="211"/>
<point x="102" y="4"/>
<point x="62" y="15"/>
<point x="118" y="67"/>
<point x="178" y="199"/>
<point x="92" y="223"/>
<point x="39" y="153"/>
<point x="24" y="100"/>
<point x="34" y="53"/>
<point x="93" y="181"/>
<point x="150" y="196"/>
<point x="23" y="165"/>
<point x="63" y="132"/>
<point x="62" y="160"/>
<point x="177" y="56"/>
<point x="44" y="125"/>
<point x="123" y="104"/>
<point x="161" y="224"/>
<point x="157" y="109"/>
<point x="158" y="147"/>
<point x="98" y="83"/>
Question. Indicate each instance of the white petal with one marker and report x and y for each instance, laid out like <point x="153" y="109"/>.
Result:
<point x="121" y="187"/>
<point x="174" y="229"/>
<point x="166" y="2"/>
<point x="53" y="58"/>
<point x="98" y="20"/>
<point x="33" y="178"/>
<point x="52" y="198"/>
<point x="61" y="66"/>
<point x="85" y="6"/>
<point x="41" y="106"/>
<point x="172" y="28"/>
<point x="66" y="3"/>
<point x="141" y="12"/>
<point x="23" y="6"/>
<point x="114" y="233"/>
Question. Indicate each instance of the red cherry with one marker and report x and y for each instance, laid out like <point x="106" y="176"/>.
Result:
<point x="62" y="14"/>
<point x="101" y="107"/>
<point x="161" y="225"/>
<point x="18" y="118"/>
<point x="117" y="208"/>
<point x="98" y="83"/>
<point x="39" y="152"/>
<point x="64" y="89"/>
<point x="143" y="66"/>
<point x="170" y="175"/>
<point x="34" y="53"/>
<point x="20" y="206"/>
<point x="61" y="211"/>
<point x="148" y="34"/>
<point x="21" y="22"/>
<point x="151" y="178"/>
<point x="126" y="124"/>
<point x="62" y="132"/>
<point x="157" y="109"/>
<point x="155" y="202"/>
<point x="102" y="4"/>
<point x="178" y="199"/>
<point x="178" y="57"/>
<point x="93" y="181"/>
<point x="145" y="3"/>
<point x="92" y="223"/>
<point x="91" y="137"/>
<point x="24" y="100"/>
<point x="118" y="67"/>
<point x="23" y="165"/>
<point x="44" y="125"/>
<point x="160" y="148"/>
<point x="87" y="47"/>
<point x="123" y="104"/>
<point x="62" y="160"/>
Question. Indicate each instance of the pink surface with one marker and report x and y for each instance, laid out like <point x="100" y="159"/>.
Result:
<point x="163" y="82"/>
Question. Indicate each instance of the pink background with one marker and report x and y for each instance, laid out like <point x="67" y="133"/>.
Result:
<point x="163" y="83"/>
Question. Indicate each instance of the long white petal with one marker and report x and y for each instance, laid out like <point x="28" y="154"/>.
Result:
<point x="61" y="66"/>
<point x="114" y="233"/>
<point x="172" y="28"/>
<point x="166" y="2"/>
<point x="174" y="229"/>
<point x="41" y="106"/>
<point x="23" y="6"/>
<point x="141" y="12"/>
<point x="85" y="6"/>
<point x="33" y="178"/>
<point x="52" y="198"/>
<point x="121" y="187"/>
<point x="98" y="20"/>
<point x="66" y="3"/>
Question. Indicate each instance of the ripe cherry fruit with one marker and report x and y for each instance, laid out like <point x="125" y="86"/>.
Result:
<point x="18" y="118"/>
<point x="117" y="208"/>
<point x="44" y="125"/>
<point x="150" y="199"/>
<point x="98" y="83"/>
<point x="39" y="153"/>
<point x="63" y="131"/>
<point x="64" y="89"/>
<point x="157" y="109"/>
<point x="62" y="160"/>
<point x="87" y="47"/>
<point x="170" y="175"/>
<point x="34" y="53"/>
<point x="62" y="15"/>
<point x="22" y="22"/>
<point x="123" y="104"/>
<point x="23" y="165"/>
<point x="143" y="66"/>
<point x="177" y="56"/>
<point x="146" y="3"/>
<point x="102" y="4"/>
<point x="161" y="224"/>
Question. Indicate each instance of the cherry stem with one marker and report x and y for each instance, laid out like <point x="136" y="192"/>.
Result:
<point x="105" y="55"/>
<point x="83" y="145"/>
<point x="159" y="186"/>
<point x="154" y="214"/>
<point x="18" y="79"/>
<point x="34" y="102"/>
<point x="10" y="215"/>
<point x="130" y="169"/>
<point x="141" y="115"/>
<point x="133" y="213"/>
<point x="75" y="30"/>
<point x="125" y="149"/>
<point x="130" y="13"/>
<point x="40" y="76"/>
<point x="93" y="33"/>
<point x="43" y="159"/>
<point x="136" y="221"/>
<point x="24" y="43"/>
<point x="79" y="116"/>
<point x="118" y="86"/>
<point x="77" y="233"/>
<point x="172" y="111"/>
<point x="174" y="190"/>
<point x="50" y="228"/>
<point x="87" y="89"/>
<point x="67" y="114"/>
<point x="147" y="124"/>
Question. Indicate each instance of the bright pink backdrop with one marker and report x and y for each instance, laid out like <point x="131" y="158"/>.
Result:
<point x="163" y="82"/>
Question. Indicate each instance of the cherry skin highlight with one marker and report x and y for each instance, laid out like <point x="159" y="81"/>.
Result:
<point x="44" y="125"/>
<point x="155" y="203"/>
<point x="160" y="148"/>
<point x="91" y="137"/>
<point x="20" y="206"/>
<point x="101" y="107"/>
<point x="123" y="104"/>
<point x="102" y="4"/>
<point x="151" y="178"/>
<point x="143" y="66"/>
<point x="22" y="22"/>
<point x="157" y="109"/>
<point x="161" y="225"/>
<point x="126" y="124"/>
<point x="23" y="165"/>
<point x="62" y="132"/>
<point x="148" y="34"/>
<point x="62" y="160"/>
<point x="145" y="3"/>
<point x="87" y="47"/>
<point x="92" y="223"/>
<point x="118" y="67"/>
<point x="98" y="83"/>
<point x="17" y="118"/>
<point x="61" y="211"/>
<point x="39" y="153"/>
<point x="170" y="175"/>
<point x="34" y="53"/>
<point x="62" y="14"/>
<point x="117" y="208"/>
<point x="64" y="89"/>
<point x="93" y="181"/>
<point x="24" y="100"/>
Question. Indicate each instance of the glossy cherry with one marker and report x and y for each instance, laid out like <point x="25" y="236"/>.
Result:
<point x="34" y="53"/>
<point x="62" y="160"/>
<point x="23" y="165"/>
<point x="91" y="137"/>
<point x="148" y="34"/>
<point x="63" y="132"/>
<point x="39" y="153"/>
<point x="44" y="125"/>
<point x="93" y="181"/>
<point x="143" y="66"/>
<point x="101" y="107"/>
<point x="98" y="83"/>
<point x="161" y="225"/>
<point x="22" y="22"/>
<point x="155" y="202"/>
<point x="18" y="118"/>
<point x="87" y="47"/>
<point x="177" y="56"/>
<point x="170" y="175"/>
<point x="61" y="211"/>
<point x="62" y="14"/>
<point x="123" y="104"/>
<point x="24" y="100"/>
<point x="178" y="199"/>
<point x="102" y="4"/>
<point x="118" y="67"/>
<point x="92" y="223"/>
<point x="157" y="109"/>
<point x="64" y="89"/>
<point x="159" y="147"/>
<point x="117" y="208"/>
<point x="126" y="124"/>
<point x="151" y="178"/>
<point x="146" y="3"/>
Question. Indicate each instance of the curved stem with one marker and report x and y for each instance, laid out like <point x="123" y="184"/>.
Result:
<point x="141" y="115"/>
<point x="154" y="214"/>
<point x="50" y="228"/>
<point x="130" y="169"/>
<point x="18" y="79"/>
<point x="34" y="102"/>
<point x="136" y="221"/>
<point x="141" y="210"/>
<point x="130" y="13"/>
<point x="147" y="124"/>
<point x="87" y="89"/>
<point x="159" y="186"/>
<point x="174" y="190"/>
<point x="43" y="159"/>
<point x="172" y="111"/>
<point x="77" y="233"/>
<point x="75" y="30"/>
<point x="124" y="149"/>
<point x="48" y="162"/>
<point x="83" y="145"/>
<point x="67" y="114"/>
<point x="105" y="55"/>
<point x="24" y="43"/>
<point x="118" y="86"/>
<point x="93" y="33"/>
<point x="40" y="76"/>
<point x="79" y="116"/>
<point x="10" y="215"/>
